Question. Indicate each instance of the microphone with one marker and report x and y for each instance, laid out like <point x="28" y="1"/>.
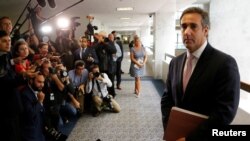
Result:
<point x="52" y="3"/>
<point x="42" y="3"/>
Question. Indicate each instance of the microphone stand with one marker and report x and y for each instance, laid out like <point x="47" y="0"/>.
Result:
<point x="20" y="25"/>
<point x="19" y="18"/>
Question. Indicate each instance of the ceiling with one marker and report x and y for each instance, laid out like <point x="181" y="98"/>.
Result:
<point x="103" y="10"/>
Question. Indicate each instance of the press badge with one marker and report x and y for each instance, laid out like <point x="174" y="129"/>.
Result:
<point x="52" y="97"/>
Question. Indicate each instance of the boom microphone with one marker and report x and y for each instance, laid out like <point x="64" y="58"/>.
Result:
<point x="42" y="3"/>
<point x="52" y="3"/>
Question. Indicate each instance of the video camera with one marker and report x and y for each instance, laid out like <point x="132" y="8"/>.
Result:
<point x="63" y="73"/>
<point x="90" y="27"/>
<point x="74" y="24"/>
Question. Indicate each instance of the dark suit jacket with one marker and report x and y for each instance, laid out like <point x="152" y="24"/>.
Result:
<point x="32" y="117"/>
<point x="10" y="101"/>
<point x="88" y="52"/>
<point x="104" y="53"/>
<point x="213" y="90"/>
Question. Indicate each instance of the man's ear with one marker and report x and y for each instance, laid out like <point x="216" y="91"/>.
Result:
<point x="31" y="80"/>
<point x="206" y="29"/>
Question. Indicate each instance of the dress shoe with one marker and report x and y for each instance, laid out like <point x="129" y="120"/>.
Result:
<point x="96" y="114"/>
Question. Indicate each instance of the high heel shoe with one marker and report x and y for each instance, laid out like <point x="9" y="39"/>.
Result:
<point x="137" y="95"/>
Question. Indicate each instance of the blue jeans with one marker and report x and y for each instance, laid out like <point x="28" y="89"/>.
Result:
<point x="68" y="110"/>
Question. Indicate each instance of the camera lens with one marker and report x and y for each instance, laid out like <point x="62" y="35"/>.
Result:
<point x="64" y="73"/>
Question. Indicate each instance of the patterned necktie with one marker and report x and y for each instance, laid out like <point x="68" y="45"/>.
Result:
<point x="187" y="72"/>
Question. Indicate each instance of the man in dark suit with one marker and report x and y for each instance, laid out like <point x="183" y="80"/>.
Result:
<point x="86" y="53"/>
<point x="119" y="71"/>
<point x="33" y="113"/>
<point x="10" y="102"/>
<point x="214" y="85"/>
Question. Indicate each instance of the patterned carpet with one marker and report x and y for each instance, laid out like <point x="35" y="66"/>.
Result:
<point x="139" y="120"/>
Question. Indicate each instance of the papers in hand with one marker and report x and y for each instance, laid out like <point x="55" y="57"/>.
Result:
<point x="140" y="61"/>
<point x="182" y="122"/>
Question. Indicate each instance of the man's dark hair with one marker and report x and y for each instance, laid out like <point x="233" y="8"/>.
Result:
<point x="3" y="33"/>
<point x="79" y="63"/>
<point x="41" y="44"/>
<point x="113" y="32"/>
<point x="84" y="37"/>
<point x="4" y="17"/>
<point x="92" y="67"/>
<point x="204" y="15"/>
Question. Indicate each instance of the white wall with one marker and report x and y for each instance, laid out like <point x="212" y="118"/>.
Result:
<point x="230" y="32"/>
<point x="164" y="36"/>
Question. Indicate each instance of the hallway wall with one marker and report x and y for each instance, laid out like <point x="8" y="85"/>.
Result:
<point x="230" y="31"/>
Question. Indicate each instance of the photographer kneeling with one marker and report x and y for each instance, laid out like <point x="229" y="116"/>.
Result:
<point x="98" y="83"/>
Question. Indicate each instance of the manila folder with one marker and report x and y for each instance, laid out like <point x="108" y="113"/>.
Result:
<point x="181" y="122"/>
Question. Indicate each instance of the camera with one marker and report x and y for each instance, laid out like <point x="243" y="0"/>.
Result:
<point x="63" y="73"/>
<point x="96" y="74"/>
<point x="106" y="39"/>
<point x="54" y="135"/>
<point x="108" y="100"/>
<point x="52" y="70"/>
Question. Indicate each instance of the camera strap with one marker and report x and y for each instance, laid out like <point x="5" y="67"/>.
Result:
<point x="99" y="88"/>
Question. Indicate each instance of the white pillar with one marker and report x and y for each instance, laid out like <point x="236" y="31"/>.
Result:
<point x="145" y="35"/>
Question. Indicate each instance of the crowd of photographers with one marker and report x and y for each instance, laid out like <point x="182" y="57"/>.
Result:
<point x="46" y="84"/>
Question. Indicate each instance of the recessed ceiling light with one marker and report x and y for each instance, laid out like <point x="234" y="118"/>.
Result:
<point x="125" y="18"/>
<point x="124" y="8"/>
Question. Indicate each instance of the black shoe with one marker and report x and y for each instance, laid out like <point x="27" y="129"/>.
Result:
<point x="113" y="95"/>
<point x="96" y="114"/>
<point x="119" y="88"/>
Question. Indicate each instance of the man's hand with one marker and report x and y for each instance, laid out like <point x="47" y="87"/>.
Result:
<point x="90" y="59"/>
<point x="40" y="97"/>
<point x="91" y="75"/>
<point x="81" y="88"/>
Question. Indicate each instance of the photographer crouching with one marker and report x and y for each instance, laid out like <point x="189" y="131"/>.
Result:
<point x="97" y="84"/>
